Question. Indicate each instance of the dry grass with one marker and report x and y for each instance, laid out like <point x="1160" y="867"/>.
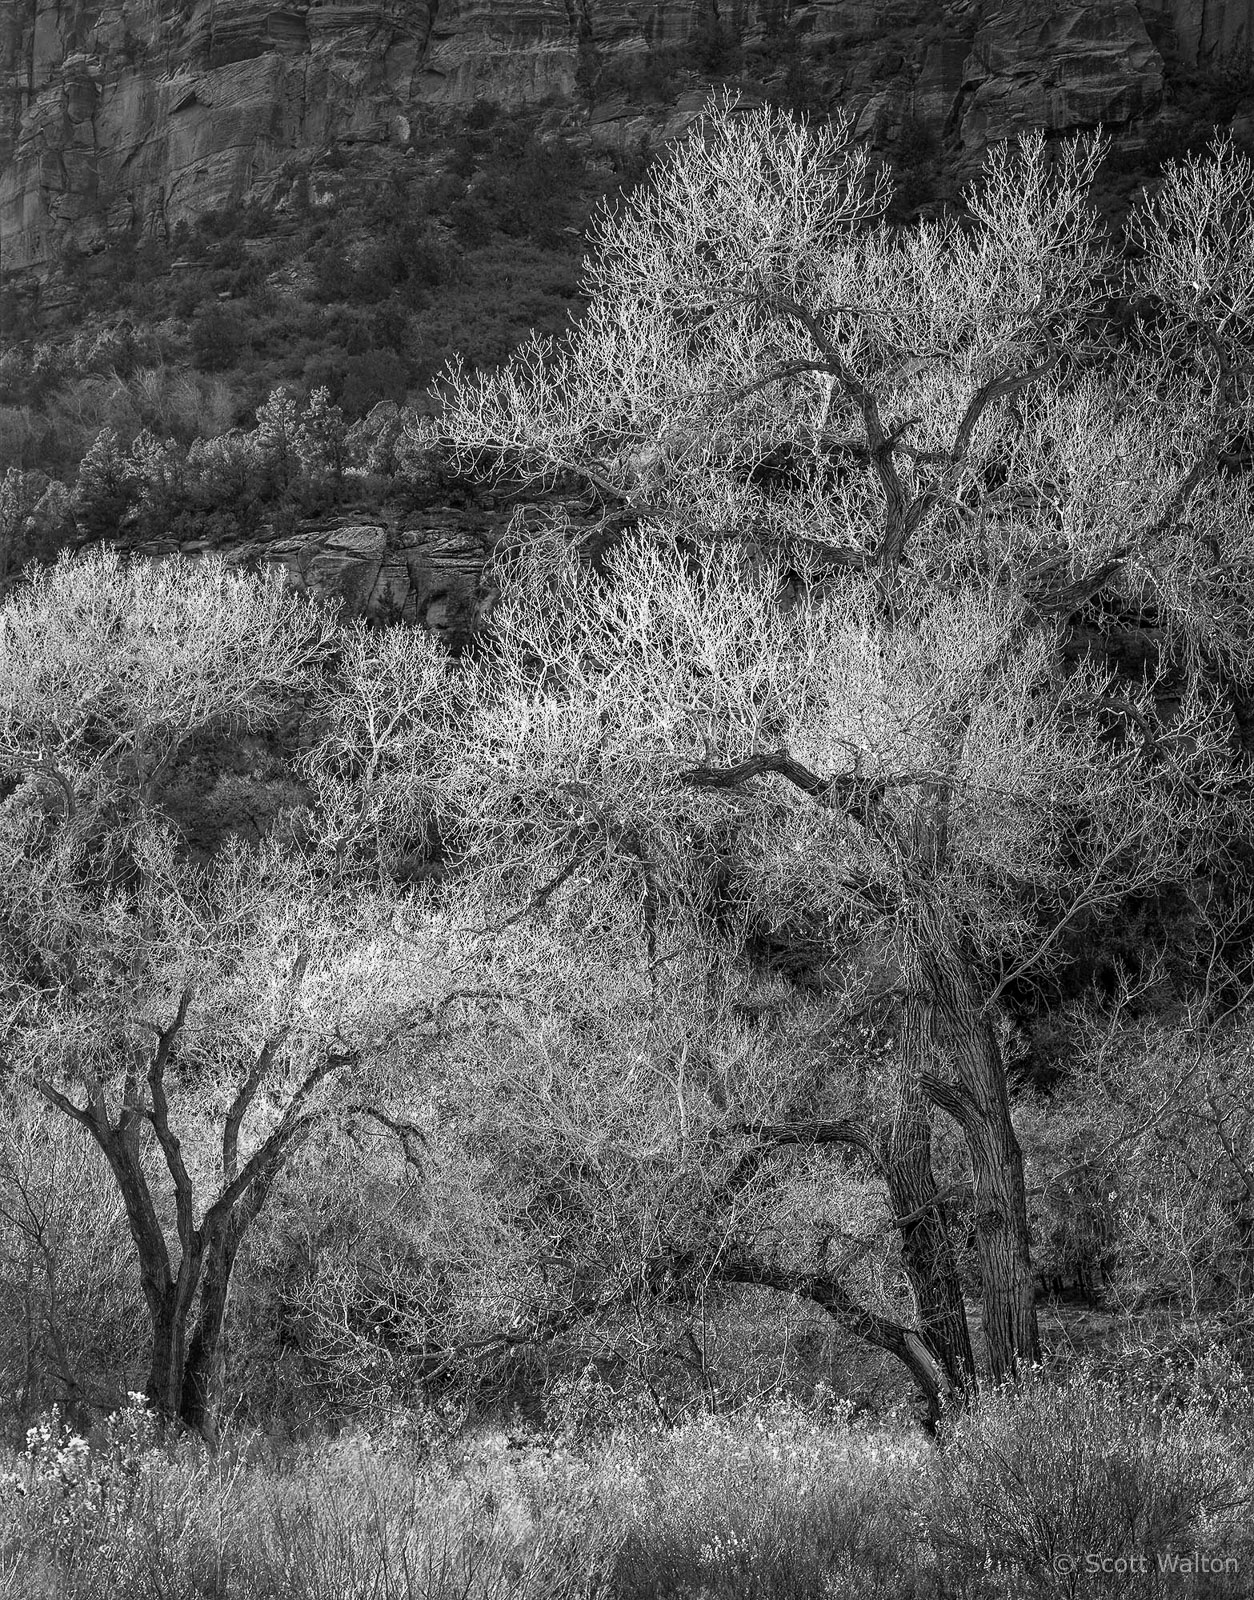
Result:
<point x="777" y="1505"/>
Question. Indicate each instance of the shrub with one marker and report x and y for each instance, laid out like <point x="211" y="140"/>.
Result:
<point x="371" y="378"/>
<point x="36" y="520"/>
<point x="161" y="398"/>
<point x="428" y="262"/>
<point x="78" y="1502"/>
<point x="23" y="436"/>
<point x="224" y="474"/>
<point x="472" y="220"/>
<point x="781" y="1504"/>
<point x="482" y="114"/>
<point x="360" y="1516"/>
<point x="217" y="339"/>
<point x="189" y="292"/>
<point x="301" y="446"/>
<point x="529" y="188"/>
<point x="158" y="475"/>
<point x="333" y="275"/>
<point x="106" y="487"/>
<point x="1056" y="1472"/>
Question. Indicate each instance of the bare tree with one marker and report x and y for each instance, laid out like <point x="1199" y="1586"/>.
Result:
<point x="930" y="439"/>
<point x="1159" y="1109"/>
<point x="608" y="1157"/>
<point x="194" y="1020"/>
<point x="204" y="1072"/>
<point x="67" y="1280"/>
<point x="934" y="808"/>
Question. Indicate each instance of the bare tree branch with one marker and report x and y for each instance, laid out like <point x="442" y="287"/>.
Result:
<point x="846" y="1131"/>
<point x="159" y="1116"/>
<point x="403" y="1129"/>
<point x="54" y="1097"/>
<point x="1001" y="386"/>
<point x="908" y="1344"/>
<point x="256" y="1075"/>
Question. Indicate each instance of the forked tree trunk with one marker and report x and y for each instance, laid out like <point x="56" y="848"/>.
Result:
<point x="926" y="1244"/>
<point x="187" y="1308"/>
<point x="185" y="1371"/>
<point x="200" y="1395"/>
<point x="952" y="1048"/>
<point x="169" y="1296"/>
<point x="166" y="1360"/>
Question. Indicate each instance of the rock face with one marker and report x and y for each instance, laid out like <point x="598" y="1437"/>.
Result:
<point x="1206" y="33"/>
<point x="1058" y="66"/>
<point x="114" y="112"/>
<point x="390" y="574"/>
<point x="426" y="569"/>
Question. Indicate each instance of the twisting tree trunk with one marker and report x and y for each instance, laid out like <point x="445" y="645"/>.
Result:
<point x="926" y="1244"/>
<point x="937" y="1352"/>
<point x="950" y="1043"/>
<point x="826" y="1290"/>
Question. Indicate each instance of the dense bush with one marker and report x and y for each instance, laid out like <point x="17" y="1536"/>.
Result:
<point x="529" y="189"/>
<point x="1111" y="1474"/>
<point x="63" y="399"/>
<point x="218" y="339"/>
<point x="295" y="456"/>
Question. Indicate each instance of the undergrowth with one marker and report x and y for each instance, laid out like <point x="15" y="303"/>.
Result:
<point x="1077" y="1486"/>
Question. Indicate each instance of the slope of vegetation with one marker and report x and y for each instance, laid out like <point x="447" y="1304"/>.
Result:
<point x="363" y="275"/>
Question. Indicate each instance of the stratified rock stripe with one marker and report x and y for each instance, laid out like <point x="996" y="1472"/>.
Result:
<point x="124" y="112"/>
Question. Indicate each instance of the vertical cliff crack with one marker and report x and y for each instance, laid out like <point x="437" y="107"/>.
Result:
<point x="433" y="11"/>
<point x="579" y="20"/>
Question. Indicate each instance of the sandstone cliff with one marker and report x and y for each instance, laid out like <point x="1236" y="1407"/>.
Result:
<point x="121" y="114"/>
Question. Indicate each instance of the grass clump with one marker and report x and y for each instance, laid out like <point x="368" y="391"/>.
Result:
<point x="772" y="1507"/>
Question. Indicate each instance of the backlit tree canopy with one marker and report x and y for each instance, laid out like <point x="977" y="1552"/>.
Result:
<point x="877" y="501"/>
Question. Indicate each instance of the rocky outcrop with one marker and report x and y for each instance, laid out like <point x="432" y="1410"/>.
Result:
<point x="148" y="110"/>
<point x="425" y="570"/>
<point x="1216" y="34"/>
<point x="1058" y="66"/>
<point x="116" y="113"/>
<point x="390" y="574"/>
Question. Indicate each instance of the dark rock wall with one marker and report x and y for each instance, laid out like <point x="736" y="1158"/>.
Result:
<point x="116" y="113"/>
